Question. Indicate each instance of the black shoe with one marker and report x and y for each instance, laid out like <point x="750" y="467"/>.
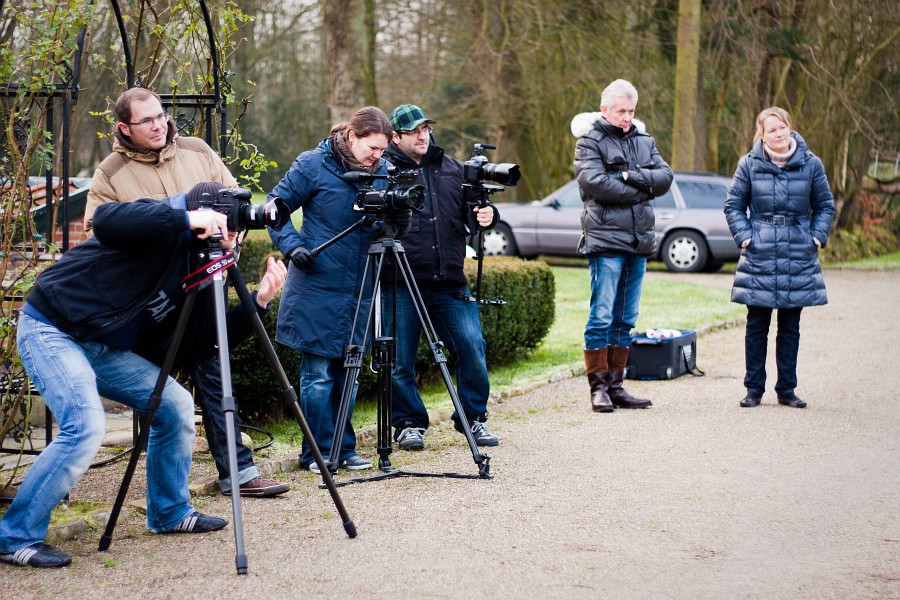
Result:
<point x="792" y="401"/>
<point x="39" y="555"/>
<point x="260" y="488"/>
<point x="751" y="400"/>
<point x="481" y="433"/>
<point x="197" y="522"/>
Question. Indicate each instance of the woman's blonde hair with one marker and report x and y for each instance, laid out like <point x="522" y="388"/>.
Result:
<point x="772" y="111"/>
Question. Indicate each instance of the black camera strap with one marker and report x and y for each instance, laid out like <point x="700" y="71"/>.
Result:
<point x="207" y="271"/>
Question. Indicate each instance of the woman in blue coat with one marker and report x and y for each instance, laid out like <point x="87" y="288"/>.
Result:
<point x="779" y="210"/>
<point x="319" y="299"/>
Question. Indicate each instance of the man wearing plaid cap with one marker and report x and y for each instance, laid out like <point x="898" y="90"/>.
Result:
<point x="436" y="249"/>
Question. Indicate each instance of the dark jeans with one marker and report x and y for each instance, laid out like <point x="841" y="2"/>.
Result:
<point x="207" y="380"/>
<point x="321" y="391"/>
<point x="456" y="321"/>
<point x="787" y="344"/>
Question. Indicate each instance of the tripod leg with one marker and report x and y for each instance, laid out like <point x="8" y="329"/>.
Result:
<point x="437" y="351"/>
<point x="384" y="352"/>
<point x="152" y="405"/>
<point x="352" y="364"/>
<point x="229" y="408"/>
<point x="289" y="395"/>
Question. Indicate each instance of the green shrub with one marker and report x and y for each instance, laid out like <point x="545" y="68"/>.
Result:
<point x="522" y="323"/>
<point x="518" y="326"/>
<point x="254" y="253"/>
<point x="256" y="386"/>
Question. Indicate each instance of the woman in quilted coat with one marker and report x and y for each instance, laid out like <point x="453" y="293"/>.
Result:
<point x="779" y="209"/>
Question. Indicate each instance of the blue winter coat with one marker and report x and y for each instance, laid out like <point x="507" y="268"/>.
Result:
<point x="780" y="210"/>
<point x="318" y="305"/>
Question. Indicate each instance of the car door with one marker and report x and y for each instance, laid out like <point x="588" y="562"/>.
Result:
<point x="559" y="221"/>
<point x="704" y="208"/>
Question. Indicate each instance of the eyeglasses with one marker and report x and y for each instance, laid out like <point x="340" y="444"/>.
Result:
<point x="427" y="129"/>
<point x="148" y="122"/>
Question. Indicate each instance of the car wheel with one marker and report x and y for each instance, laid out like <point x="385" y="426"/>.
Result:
<point x="712" y="266"/>
<point x="499" y="241"/>
<point x="684" y="252"/>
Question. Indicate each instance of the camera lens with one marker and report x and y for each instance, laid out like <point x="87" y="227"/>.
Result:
<point x="273" y="213"/>
<point x="502" y="173"/>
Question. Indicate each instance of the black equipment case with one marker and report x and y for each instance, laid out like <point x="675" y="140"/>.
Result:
<point x="662" y="358"/>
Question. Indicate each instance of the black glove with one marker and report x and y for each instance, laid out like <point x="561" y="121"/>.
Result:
<point x="302" y="258"/>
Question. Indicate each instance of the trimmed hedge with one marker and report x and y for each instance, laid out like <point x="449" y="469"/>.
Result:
<point x="518" y="326"/>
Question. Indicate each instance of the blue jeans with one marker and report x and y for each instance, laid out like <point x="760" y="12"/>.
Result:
<point x="616" y="283"/>
<point x="71" y="377"/>
<point x="787" y="345"/>
<point x="321" y="382"/>
<point x="457" y="323"/>
<point x="207" y="380"/>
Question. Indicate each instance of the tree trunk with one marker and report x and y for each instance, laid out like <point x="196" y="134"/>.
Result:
<point x="342" y="57"/>
<point x="686" y="67"/>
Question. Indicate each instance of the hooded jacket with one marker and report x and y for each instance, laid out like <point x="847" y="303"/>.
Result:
<point x="780" y="210"/>
<point x="318" y="304"/>
<point x="128" y="173"/>
<point x="147" y="245"/>
<point x="618" y="174"/>
<point x="436" y="242"/>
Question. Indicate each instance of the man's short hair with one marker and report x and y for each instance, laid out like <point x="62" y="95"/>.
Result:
<point x="618" y="89"/>
<point x="123" y="102"/>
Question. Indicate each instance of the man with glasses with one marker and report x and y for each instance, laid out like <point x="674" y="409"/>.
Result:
<point x="150" y="160"/>
<point x="436" y="249"/>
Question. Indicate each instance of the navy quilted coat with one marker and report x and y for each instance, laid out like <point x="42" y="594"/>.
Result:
<point x="780" y="210"/>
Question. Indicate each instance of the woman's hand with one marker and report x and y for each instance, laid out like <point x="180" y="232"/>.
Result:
<point x="745" y="243"/>
<point x="271" y="282"/>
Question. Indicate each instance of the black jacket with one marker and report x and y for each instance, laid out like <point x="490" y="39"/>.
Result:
<point x="436" y="243"/>
<point x="617" y="215"/>
<point x="105" y="283"/>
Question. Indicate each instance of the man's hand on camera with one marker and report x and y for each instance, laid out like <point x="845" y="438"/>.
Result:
<point x="302" y="258"/>
<point x="484" y="215"/>
<point x="272" y="281"/>
<point x="207" y="223"/>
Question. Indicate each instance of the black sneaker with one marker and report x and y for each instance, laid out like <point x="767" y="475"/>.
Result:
<point x="411" y="438"/>
<point x="481" y="433"/>
<point x="355" y="462"/>
<point x="197" y="522"/>
<point x="39" y="555"/>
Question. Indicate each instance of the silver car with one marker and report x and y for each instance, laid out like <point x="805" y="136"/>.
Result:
<point x="690" y="225"/>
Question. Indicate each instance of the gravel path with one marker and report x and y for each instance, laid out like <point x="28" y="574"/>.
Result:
<point x="693" y="498"/>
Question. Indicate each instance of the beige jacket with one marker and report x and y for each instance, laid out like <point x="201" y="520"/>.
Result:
<point x="127" y="175"/>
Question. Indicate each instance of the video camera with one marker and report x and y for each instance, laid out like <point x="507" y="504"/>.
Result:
<point x="400" y="194"/>
<point x="235" y="203"/>
<point x="477" y="169"/>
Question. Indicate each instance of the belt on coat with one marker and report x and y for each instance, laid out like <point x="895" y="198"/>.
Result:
<point x="777" y="220"/>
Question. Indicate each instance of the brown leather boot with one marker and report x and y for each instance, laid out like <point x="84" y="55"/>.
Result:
<point x="618" y="358"/>
<point x="596" y="363"/>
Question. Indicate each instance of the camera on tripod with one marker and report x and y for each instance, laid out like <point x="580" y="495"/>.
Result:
<point x="235" y="203"/>
<point x="477" y="169"/>
<point x="400" y="194"/>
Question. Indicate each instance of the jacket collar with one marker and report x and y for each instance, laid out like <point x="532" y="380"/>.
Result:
<point x="399" y="158"/>
<point x="798" y="159"/>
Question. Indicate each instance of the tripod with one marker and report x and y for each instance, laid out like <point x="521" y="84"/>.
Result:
<point x="215" y="270"/>
<point x="384" y="358"/>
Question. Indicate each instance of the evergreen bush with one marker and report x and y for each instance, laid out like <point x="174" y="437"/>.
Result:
<point x="515" y="327"/>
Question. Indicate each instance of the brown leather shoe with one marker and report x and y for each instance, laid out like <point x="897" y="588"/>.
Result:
<point x="618" y="359"/>
<point x="596" y="365"/>
<point x="260" y="488"/>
